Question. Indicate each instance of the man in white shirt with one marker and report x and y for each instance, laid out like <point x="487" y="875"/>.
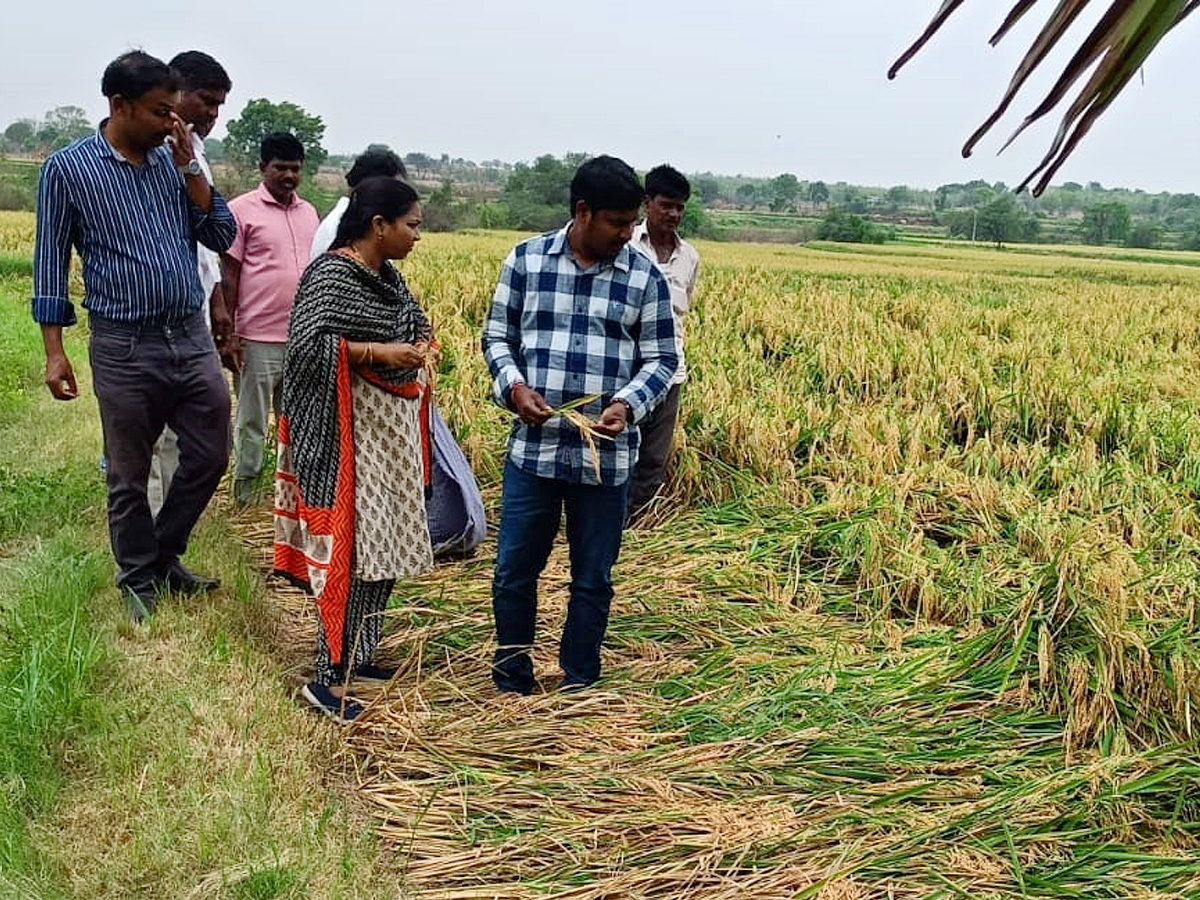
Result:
<point x="667" y="192"/>
<point x="205" y="87"/>
<point x="376" y="162"/>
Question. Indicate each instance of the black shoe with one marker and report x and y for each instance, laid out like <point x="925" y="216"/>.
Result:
<point x="182" y="580"/>
<point x="512" y="671"/>
<point x="322" y="699"/>
<point x="140" y="602"/>
<point x="372" y="672"/>
<point x="507" y="684"/>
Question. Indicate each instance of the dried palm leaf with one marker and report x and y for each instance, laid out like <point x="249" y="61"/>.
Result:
<point x="1118" y="45"/>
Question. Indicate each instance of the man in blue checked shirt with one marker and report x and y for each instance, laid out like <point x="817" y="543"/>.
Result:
<point x="134" y="210"/>
<point x="577" y="312"/>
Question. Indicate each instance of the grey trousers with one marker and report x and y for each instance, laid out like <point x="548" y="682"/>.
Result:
<point x="259" y="386"/>
<point x="658" y="432"/>
<point x="145" y="378"/>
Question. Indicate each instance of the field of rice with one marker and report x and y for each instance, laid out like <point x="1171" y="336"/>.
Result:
<point x="915" y="617"/>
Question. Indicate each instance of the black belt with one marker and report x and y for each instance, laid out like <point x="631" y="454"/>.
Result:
<point x="165" y="325"/>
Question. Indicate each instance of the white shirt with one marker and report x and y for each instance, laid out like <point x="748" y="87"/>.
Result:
<point x="327" y="230"/>
<point x="682" y="271"/>
<point x="208" y="263"/>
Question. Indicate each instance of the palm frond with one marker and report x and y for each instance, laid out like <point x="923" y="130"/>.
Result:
<point x="1117" y="46"/>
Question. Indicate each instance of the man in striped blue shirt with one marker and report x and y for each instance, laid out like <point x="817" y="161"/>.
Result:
<point x="576" y="313"/>
<point x="134" y="210"/>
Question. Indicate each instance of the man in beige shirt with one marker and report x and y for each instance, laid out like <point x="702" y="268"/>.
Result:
<point x="657" y="238"/>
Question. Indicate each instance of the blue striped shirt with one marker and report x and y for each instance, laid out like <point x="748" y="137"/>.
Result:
<point x="135" y="228"/>
<point x="569" y="332"/>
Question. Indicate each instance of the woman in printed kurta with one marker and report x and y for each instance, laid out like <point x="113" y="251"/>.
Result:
<point x="353" y="439"/>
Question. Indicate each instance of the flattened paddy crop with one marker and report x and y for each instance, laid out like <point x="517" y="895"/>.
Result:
<point x="915" y="616"/>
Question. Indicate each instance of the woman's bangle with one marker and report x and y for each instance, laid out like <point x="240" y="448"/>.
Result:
<point x="370" y="355"/>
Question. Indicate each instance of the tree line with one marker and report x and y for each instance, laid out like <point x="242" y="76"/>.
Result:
<point x="533" y="195"/>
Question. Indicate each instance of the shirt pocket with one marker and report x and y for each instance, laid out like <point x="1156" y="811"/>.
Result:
<point x="617" y="312"/>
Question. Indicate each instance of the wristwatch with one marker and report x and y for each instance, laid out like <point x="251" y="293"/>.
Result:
<point x="192" y="168"/>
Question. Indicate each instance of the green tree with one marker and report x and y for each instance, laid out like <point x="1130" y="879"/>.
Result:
<point x="538" y="196"/>
<point x="818" y="192"/>
<point x="785" y="189"/>
<point x="1105" y="221"/>
<point x="1190" y="239"/>
<point x="960" y="223"/>
<point x="439" y="212"/>
<point x="62" y="125"/>
<point x="419" y="163"/>
<point x="746" y="193"/>
<point x="21" y="136"/>
<point x="854" y="199"/>
<point x="899" y="196"/>
<point x="695" y="222"/>
<point x="259" y="118"/>
<point x="997" y="219"/>
<point x="1001" y="219"/>
<point x="706" y="189"/>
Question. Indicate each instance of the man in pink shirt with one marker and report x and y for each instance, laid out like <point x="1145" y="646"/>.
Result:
<point x="259" y="274"/>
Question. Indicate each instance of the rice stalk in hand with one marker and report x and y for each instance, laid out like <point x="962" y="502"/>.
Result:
<point x="587" y="428"/>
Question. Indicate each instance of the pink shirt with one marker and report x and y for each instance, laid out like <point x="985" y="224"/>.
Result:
<point x="273" y="243"/>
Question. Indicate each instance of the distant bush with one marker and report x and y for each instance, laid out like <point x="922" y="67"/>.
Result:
<point x="526" y="216"/>
<point x="1145" y="235"/>
<point x="839" y="225"/>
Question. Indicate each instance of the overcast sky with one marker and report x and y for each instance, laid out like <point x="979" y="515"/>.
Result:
<point x="753" y="87"/>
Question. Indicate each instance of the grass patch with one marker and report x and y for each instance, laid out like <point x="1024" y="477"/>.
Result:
<point x="169" y="760"/>
<point x="49" y="666"/>
<point x="16" y="266"/>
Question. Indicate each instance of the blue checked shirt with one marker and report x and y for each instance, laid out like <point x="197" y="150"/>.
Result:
<point x="135" y="229"/>
<point x="569" y="332"/>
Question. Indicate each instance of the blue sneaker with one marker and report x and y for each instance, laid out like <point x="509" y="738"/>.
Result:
<point x="322" y="699"/>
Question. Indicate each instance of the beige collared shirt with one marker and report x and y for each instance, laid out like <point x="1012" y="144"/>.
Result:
<point x="682" y="271"/>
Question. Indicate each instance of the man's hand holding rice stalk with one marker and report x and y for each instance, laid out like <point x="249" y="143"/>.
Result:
<point x="534" y="410"/>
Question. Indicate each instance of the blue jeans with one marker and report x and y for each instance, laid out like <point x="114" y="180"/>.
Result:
<point x="530" y="512"/>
